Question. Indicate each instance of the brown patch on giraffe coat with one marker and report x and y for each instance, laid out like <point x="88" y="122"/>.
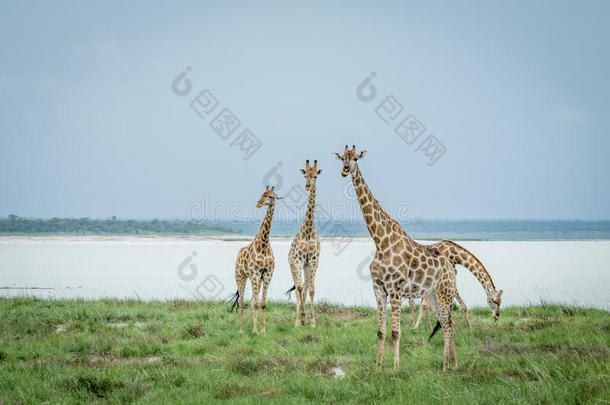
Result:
<point x="384" y="243"/>
<point x="372" y="227"/>
<point x="394" y="237"/>
<point x="419" y="276"/>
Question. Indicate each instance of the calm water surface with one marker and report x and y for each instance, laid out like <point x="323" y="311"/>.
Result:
<point x="569" y="272"/>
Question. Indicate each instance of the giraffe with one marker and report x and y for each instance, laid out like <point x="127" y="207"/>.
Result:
<point x="305" y="250"/>
<point x="460" y="255"/>
<point x="256" y="262"/>
<point x="402" y="267"/>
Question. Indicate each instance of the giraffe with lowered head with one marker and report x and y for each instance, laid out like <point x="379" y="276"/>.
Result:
<point x="255" y="262"/>
<point x="404" y="268"/>
<point x="305" y="251"/>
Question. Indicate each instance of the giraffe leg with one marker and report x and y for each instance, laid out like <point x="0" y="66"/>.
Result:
<point x="427" y="310"/>
<point x="241" y="287"/>
<point x="395" y="305"/>
<point x="432" y="299"/>
<point x="382" y="301"/>
<point x="299" y="295"/>
<point x="304" y="296"/>
<point x="441" y="304"/>
<point x="264" y="305"/>
<point x="312" y="291"/>
<point x="256" y="286"/>
<point x="295" y="269"/>
<point x="412" y="311"/>
<point x="421" y="312"/>
<point x="464" y="308"/>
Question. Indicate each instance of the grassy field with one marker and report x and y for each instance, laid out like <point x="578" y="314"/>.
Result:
<point x="191" y="352"/>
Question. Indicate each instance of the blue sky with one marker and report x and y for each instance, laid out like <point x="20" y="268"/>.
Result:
<point x="517" y="92"/>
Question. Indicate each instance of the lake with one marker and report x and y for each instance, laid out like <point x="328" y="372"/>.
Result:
<point x="567" y="272"/>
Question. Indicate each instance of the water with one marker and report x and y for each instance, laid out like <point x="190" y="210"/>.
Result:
<point x="568" y="272"/>
<point x="448" y="229"/>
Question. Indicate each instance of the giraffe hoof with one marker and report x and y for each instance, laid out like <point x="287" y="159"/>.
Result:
<point x="241" y="331"/>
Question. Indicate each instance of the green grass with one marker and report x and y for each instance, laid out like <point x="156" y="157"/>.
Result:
<point x="191" y="352"/>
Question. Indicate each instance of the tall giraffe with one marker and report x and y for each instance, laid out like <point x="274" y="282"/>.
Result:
<point x="255" y="262"/>
<point x="305" y="250"/>
<point x="402" y="267"/>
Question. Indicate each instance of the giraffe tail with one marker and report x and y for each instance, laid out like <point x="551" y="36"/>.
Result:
<point x="436" y="328"/>
<point x="233" y="300"/>
<point x="294" y="287"/>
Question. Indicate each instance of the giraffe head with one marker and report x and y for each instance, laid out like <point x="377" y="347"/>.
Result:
<point x="494" y="299"/>
<point x="268" y="197"/>
<point x="310" y="173"/>
<point x="349" y="159"/>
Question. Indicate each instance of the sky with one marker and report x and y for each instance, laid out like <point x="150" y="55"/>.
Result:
<point x="95" y="122"/>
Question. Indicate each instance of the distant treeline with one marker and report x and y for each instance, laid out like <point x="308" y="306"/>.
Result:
<point x="112" y="226"/>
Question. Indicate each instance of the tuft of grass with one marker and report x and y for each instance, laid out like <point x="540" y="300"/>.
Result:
<point x="75" y="351"/>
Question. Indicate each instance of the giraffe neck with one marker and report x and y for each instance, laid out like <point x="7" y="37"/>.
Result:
<point x="371" y="208"/>
<point x="261" y="240"/>
<point x="307" y="227"/>
<point x="463" y="257"/>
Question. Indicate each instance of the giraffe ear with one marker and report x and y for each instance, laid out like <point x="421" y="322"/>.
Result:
<point x="319" y="171"/>
<point x="362" y="154"/>
<point x="500" y="293"/>
<point x="303" y="171"/>
<point x="337" y="156"/>
<point x="277" y="197"/>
